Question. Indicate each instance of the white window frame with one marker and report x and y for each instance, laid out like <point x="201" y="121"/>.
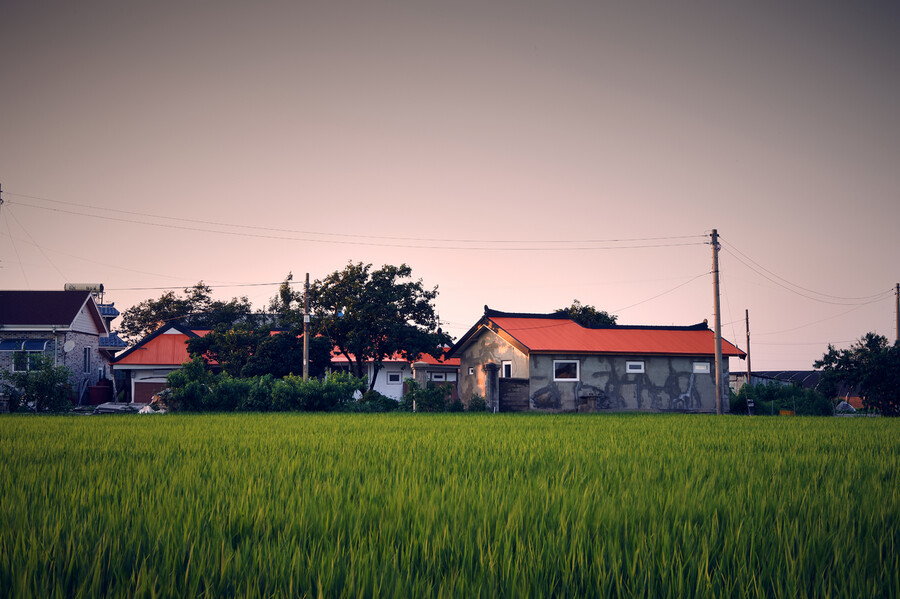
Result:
<point x="504" y="365"/>
<point x="438" y="377"/>
<point x="471" y="370"/>
<point x="398" y="375"/>
<point x="567" y="379"/>
<point x="701" y="368"/>
<point x="634" y="367"/>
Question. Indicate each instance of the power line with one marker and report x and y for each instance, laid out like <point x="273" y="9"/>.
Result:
<point x="871" y="299"/>
<point x="837" y="297"/>
<point x="663" y="293"/>
<point x="344" y="235"/>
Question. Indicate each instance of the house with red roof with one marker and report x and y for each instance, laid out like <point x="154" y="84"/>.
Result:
<point x="142" y="369"/>
<point x="70" y="327"/>
<point x="548" y="362"/>
<point x="395" y="370"/>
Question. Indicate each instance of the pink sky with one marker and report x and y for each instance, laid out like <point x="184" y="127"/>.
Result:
<point x="442" y="130"/>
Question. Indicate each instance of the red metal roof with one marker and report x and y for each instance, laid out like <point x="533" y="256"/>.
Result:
<point x="169" y="349"/>
<point x="550" y="335"/>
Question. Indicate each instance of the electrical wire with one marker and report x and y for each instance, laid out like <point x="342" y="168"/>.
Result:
<point x="663" y="293"/>
<point x="347" y="235"/>
<point x="837" y="297"/>
<point x="877" y="297"/>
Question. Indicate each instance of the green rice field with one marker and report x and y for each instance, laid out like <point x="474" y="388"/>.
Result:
<point x="448" y="505"/>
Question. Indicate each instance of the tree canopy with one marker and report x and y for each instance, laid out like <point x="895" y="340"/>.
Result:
<point x="872" y="365"/>
<point x="373" y="314"/>
<point x="195" y="308"/>
<point x="588" y="316"/>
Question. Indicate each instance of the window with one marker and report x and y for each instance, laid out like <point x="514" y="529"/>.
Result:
<point x="438" y="376"/>
<point x="634" y="367"/>
<point x="394" y="378"/>
<point x="87" y="360"/>
<point x="701" y="367"/>
<point x="566" y="370"/>
<point x="20" y="362"/>
<point x="471" y="370"/>
<point x="506" y="369"/>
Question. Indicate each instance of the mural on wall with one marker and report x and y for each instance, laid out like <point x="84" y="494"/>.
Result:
<point x="611" y="389"/>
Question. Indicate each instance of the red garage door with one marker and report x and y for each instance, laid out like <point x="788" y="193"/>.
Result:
<point x="143" y="392"/>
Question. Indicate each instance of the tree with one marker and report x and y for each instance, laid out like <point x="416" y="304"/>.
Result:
<point x="195" y="308"/>
<point x="588" y="316"/>
<point x="228" y="346"/>
<point x="373" y="314"/>
<point x="43" y="385"/>
<point x="287" y="307"/>
<point x="872" y="365"/>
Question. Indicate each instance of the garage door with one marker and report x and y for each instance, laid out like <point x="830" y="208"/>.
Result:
<point x="143" y="392"/>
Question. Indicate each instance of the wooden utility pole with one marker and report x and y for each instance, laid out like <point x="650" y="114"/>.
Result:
<point x="897" y="292"/>
<point x="306" y="329"/>
<point x="718" y="320"/>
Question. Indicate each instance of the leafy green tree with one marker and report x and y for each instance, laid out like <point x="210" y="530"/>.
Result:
<point x="287" y="306"/>
<point x="282" y="354"/>
<point x="588" y="316"/>
<point x="195" y="308"/>
<point x="44" y="385"/>
<point x="231" y="347"/>
<point x="872" y="365"/>
<point x="372" y="314"/>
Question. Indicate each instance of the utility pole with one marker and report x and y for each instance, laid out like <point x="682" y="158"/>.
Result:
<point x="718" y="320"/>
<point x="897" y="292"/>
<point x="750" y="404"/>
<point x="306" y="329"/>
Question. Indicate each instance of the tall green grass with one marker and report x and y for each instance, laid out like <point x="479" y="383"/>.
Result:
<point x="271" y="505"/>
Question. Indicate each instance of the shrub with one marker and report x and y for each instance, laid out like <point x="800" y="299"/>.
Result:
<point x="373" y="401"/>
<point x="477" y="403"/>
<point x="44" y="386"/>
<point x="771" y="398"/>
<point x="190" y="387"/>
<point x="227" y="394"/>
<point x="456" y="406"/>
<point x="259" y="398"/>
<point x="431" y="398"/>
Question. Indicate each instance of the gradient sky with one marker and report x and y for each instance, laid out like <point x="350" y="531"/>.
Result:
<point x="497" y="147"/>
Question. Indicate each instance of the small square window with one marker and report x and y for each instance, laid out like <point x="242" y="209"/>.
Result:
<point x="566" y="370"/>
<point x="701" y="367"/>
<point x="471" y="370"/>
<point x="394" y="378"/>
<point x="634" y="367"/>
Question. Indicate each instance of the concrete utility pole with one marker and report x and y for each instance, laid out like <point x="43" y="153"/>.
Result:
<point x="306" y="329"/>
<point x="750" y="405"/>
<point x="718" y="320"/>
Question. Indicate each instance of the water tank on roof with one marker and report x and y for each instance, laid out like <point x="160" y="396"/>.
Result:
<point x="92" y="287"/>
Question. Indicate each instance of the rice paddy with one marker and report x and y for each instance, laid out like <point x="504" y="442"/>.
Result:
<point x="445" y="505"/>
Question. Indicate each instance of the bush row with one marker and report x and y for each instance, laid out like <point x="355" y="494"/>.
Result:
<point x="195" y="389"/>
<point x="771" y="398"/>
